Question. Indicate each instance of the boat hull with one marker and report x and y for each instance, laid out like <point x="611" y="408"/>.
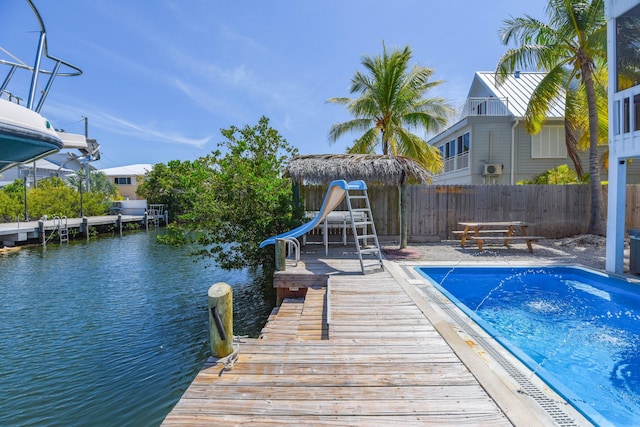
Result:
<point x="24" y="135"/>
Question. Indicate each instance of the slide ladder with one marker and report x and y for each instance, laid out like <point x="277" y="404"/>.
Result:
<point x="364" y="229"/>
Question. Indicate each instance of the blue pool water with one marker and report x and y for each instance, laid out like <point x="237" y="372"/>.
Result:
<point x="579" y="330"/>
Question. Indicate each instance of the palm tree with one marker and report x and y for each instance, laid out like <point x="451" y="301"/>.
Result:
<point x="392" y="105"/>
<point x="567" y="49"/>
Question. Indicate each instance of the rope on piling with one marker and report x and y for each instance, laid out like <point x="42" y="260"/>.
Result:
<point x="228" y="361"/>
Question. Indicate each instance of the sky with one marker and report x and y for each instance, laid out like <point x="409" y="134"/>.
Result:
<point x="161" y="78"/>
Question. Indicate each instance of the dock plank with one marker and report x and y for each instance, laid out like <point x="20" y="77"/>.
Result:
<point x="379" y="362"/>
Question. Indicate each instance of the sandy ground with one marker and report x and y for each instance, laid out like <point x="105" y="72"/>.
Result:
<point x="586" y="250"/>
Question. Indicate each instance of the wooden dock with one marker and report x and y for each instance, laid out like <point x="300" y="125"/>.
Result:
<point x="363" y="353"/>
<point x="12" y="233"/>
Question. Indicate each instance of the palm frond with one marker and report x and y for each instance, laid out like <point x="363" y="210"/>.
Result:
<point x="340" y="129"/>
<point x="543" y="97"/>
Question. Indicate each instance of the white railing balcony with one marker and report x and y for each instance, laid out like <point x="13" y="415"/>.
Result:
<point x="452" y="164"/>
<point x="485" y="107"/>
<point x="449" y="165"/>
<point x="626" y="121"/>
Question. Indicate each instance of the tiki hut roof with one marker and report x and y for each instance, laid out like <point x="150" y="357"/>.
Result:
<point x="371" y="168"/>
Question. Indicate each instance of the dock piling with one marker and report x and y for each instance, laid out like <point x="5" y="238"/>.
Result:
<point x="42" y="232"/>
<point x="281" y="254"/>
<point x="85" y="227"/>
<point x="119" y="224"/>
<point x="221" y="319"/>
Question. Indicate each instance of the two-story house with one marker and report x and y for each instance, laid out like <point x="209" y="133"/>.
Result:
<point x="489" y="143"/>
<point x="623" y="50"/>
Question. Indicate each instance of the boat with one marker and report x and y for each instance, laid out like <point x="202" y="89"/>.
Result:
<point x="25" y="135"/>
<point x="9" y="249"/>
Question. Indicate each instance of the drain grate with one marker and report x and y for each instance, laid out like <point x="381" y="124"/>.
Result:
<point x="551" y="406"/>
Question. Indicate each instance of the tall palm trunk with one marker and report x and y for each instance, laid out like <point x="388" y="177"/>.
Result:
<point x="596" y="222"/>
<point x="404" y="227"/>
<point x="403" y="215"/>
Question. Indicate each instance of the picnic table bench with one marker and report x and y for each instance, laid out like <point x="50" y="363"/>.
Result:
<point x="496" y="231"/>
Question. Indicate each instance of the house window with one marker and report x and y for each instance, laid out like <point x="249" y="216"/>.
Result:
<point x="625" y="116"/>
<point x="628" y="49"/>
<point x="549" y="143"/>
<point x="122" y="180"/>
<point x="463" y="143"/>
<point x="452" y="148"/>
<point x="636" y="112"/>
<point x="481" y="108"/>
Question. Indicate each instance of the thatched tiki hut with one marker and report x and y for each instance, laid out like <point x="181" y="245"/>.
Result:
<point x="381" y="169"/>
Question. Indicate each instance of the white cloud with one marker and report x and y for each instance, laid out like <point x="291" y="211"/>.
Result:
<point x="118" y="125"/>
<point x="148" y="132"/>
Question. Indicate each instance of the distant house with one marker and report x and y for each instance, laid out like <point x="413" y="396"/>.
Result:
<point x="127" y="178"/>
<point x="623" y="29"/>
<point x="489" y="143"/>
<point x="34" y="172"/>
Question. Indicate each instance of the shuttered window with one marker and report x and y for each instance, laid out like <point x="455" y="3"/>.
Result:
<point x="549" y="143"/>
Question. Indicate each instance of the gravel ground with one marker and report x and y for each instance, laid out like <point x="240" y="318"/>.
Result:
<point x="586" y="250"/>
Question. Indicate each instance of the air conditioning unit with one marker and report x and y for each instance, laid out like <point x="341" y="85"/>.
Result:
<point x="492" y="169"/>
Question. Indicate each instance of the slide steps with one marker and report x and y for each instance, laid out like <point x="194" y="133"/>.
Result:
<point x="367" y="228"/>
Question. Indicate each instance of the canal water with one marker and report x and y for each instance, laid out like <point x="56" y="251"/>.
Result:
<point x="111" y="331"/>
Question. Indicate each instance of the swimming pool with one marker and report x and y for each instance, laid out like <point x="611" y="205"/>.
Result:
<point x="579" y="330"/>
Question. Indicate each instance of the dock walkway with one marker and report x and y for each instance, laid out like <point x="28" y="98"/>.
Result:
<point x="12" y="233"/>
<point x="363" y="353"/>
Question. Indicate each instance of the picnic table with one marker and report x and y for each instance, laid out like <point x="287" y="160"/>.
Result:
<point x="500" y="231"/>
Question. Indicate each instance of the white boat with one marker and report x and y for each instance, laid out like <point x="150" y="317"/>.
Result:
<point x="25" y="135"/>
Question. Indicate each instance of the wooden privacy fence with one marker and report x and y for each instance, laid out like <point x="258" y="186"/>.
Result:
<point x="433" y="211"/>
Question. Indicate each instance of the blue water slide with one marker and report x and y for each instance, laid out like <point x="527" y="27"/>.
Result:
<point x="335" y="194"/>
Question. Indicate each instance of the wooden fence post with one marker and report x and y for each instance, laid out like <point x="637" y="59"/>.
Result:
<point x="221" y="319"/>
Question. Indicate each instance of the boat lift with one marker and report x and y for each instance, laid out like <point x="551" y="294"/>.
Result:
<point x="35" y="70"/>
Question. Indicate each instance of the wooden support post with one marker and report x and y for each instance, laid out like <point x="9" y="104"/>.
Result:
<point x="281" y="255"/>
<point x="119" y="223"/>
<point x="42" y="232"/>
<point x="146" y="221"/>
<point x="85" y="226"/>
<point x="221" y="319"/>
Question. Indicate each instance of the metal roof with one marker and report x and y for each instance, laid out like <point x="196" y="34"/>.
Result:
<point x="137" y="169"/>
<point x="43" y="164"/>
<point x="517" y="88"/>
